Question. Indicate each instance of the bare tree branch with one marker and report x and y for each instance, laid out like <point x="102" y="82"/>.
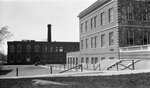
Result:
<point x="4" y="34"/>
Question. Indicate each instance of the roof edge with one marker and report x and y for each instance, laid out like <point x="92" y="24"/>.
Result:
<point x="92" y="7"/>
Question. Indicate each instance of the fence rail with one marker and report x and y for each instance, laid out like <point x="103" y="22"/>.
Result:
<point x="75" y="67"/>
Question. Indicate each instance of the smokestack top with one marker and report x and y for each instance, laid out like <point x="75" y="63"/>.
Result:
<point x="49" y="26"/>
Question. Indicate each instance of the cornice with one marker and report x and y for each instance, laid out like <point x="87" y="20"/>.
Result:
<point x="93" y="7"/>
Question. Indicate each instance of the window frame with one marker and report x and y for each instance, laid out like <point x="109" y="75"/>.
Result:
<point x="110" y="14"/>
<point x="111" y="38"/>
<point x="102" y="40"/>
<point x="102" y="15"/>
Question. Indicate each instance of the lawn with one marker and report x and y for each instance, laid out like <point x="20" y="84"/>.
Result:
<point x="141" y="80"/>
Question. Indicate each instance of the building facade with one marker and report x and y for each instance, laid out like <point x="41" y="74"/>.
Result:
<point x="30" y="51"/>
<point x="107" y="26"/>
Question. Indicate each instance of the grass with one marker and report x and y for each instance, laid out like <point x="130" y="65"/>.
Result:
<point x="121" y="81"/>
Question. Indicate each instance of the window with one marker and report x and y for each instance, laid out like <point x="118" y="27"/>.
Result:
<point x="28" y="58"/>
<point x="73" y="60"/>
<point x="102" y="58"/>
<point x="111" y="58"/>
<point x="144" y="15"/>
<point x="87" y="60"/>
<point x="37" y="48"/>
<point x="56" y="59"/>
<point x="145" y="37"/>
<point x="45" y="57"/>
<point x="86" y="26"/>
<point x="12" y="58"/>
<point x="102" y="18"/>
<point x="95" y="41"/>
<point x="50" y="49"/>
<point x="56" y="49"/>
<point x="102" y="40"/>
<point x="130" y="12"/>
<point x="12" y="48"/>
<point x="68" y="60"/>
<point x="92" y="60"/>
<point x="19" y="58"/>
<point x="44" y="48"/>
<point x="72" y="48"/>
<point x="60" y="49"/>
<point x="110" y="14"/>
<point x="91" y="23"/>
<point x="96" y="60"/>
<point x="130" y="37"/>
<point x="61" y="59"/>
<point x="95" y="21"/>
<point x="81" y="27"/>
<point x="92" y="42"/>
<point x="76" y="60"/>
<point x="86" y="43"/>
<point x="111" y="38"/>
<point x="82" y="60"/>
<point x="19" y="48"/>
<point x="81" y="44"/>
<point x="28" y="48"/>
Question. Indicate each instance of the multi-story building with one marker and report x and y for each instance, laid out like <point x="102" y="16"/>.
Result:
<point x="30" y="51"/>
<point x="110" y="29"/>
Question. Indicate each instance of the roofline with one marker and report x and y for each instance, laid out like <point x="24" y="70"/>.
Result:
<point x="92" y="7"/>
<point x="39" y="42"/>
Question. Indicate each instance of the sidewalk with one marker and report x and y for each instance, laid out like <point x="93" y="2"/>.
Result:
<point x="84" y="73"/>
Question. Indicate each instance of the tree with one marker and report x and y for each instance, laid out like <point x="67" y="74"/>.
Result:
<point x="4" y="34"/>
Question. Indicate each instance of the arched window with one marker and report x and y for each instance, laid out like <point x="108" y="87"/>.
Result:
<point x="28" y="48"/>
<point x="19" y="48"/>
<point x="82" y="60"/>
<point x="12" y="48"/>
<point x="37" y="48"/>
<point x="87" y="60"/>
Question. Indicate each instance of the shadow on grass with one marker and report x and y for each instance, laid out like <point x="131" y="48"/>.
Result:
<point x="5" y="71"/>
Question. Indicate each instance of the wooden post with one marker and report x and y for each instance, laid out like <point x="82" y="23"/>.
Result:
<point x="133" y="64"/>
<point x="117" y="66"/>
<point x="93" y="66"/>
<point x="87" y="67"/>
<point x="118" y="53"/>
<point x="64" y="66"/>
<point x="99" y="67"/>
<point x="81" y="68"/>
<point x="51" y="69"/>
<point x="17" y="71"/>
<point x="107" y="68"/>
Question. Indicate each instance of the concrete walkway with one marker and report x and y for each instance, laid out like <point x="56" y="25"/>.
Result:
<point x="84" y="73"/>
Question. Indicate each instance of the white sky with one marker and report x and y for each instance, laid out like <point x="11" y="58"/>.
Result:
<point x="28" y="19"/>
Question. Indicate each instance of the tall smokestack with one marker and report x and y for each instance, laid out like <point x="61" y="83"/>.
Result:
<point x="49" y="32"/>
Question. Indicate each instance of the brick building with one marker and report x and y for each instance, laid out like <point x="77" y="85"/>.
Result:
<point x="30" y="51"/>
<point x="111" y="29"/>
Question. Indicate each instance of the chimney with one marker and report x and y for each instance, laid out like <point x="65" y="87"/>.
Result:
<point x="49" y="33"/>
